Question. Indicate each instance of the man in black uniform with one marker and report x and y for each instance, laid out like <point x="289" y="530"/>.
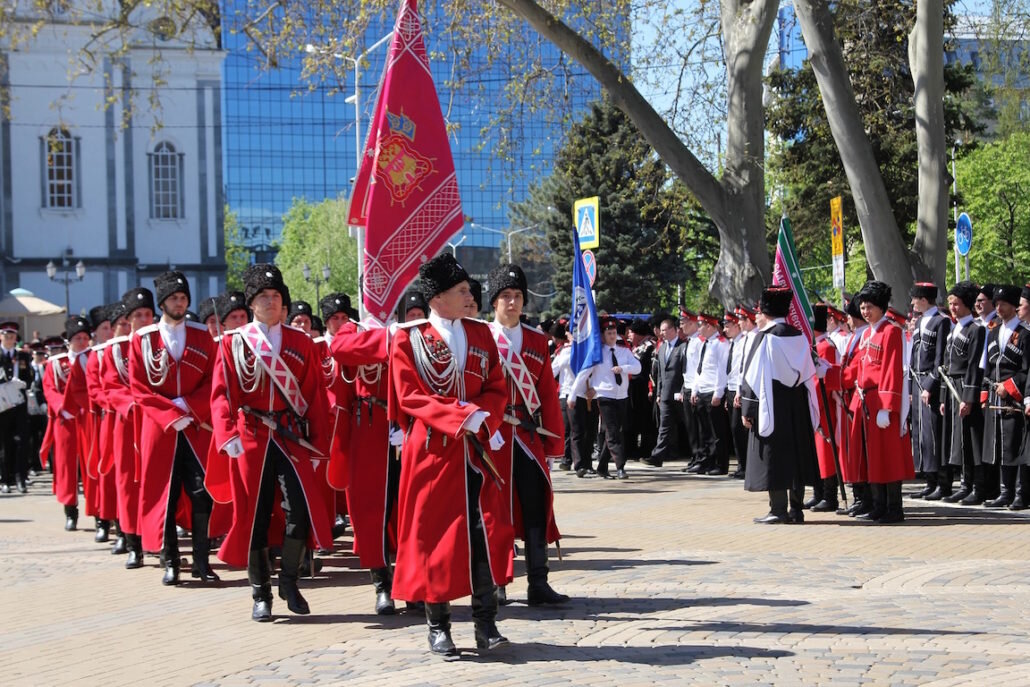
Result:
<point x="1008" y="360"/>
<point x="960" y="407"/>
<point x="15" y="367"/>
<point x="641" y="432"/>
<point x="668" y="384"/>
<point x="929" y="340"/>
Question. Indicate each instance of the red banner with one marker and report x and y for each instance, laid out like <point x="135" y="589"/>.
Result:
<point x="406" y="192"/>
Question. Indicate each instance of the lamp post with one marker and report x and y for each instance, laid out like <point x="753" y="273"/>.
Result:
<point x="315" y="280"/>
<point x="454" y="246"/>
<point x="506" y="233"/>
<point x="355" y="99"/>
<point x="67" y="277"/>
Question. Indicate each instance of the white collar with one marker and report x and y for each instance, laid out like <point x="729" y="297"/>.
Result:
<point x="172" y="326"/>
<point x="269" y="330"/>
<point x="965" y="320"/>
<point x="440" y="322"/>
<point x="931" y="312"/>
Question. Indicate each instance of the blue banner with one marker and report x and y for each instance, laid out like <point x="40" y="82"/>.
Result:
<point x="586" y="334"/>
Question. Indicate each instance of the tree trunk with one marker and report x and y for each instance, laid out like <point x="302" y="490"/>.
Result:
<point x="885" y="248"/>
<point x="736" y="204"/>
<point x="926" y="60"/>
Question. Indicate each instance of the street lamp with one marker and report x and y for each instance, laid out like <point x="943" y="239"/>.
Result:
<point x="316" y="281"/>
<point x="454" y="246"/>
<point x="67" y="277"/>
<point x="506" y="233"/>
<point x="355" y="98"/>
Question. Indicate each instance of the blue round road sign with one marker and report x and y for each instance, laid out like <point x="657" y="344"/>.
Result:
<point x="963" y="234"/>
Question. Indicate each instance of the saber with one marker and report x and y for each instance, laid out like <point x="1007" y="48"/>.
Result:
<point x="861" y="397"/>
<point x="284" y="432"/>
<point x="529" y="426"/>
<point x="488" y="463"/>
<point x="1006" y="409"/>
<point x="951" y="385"/>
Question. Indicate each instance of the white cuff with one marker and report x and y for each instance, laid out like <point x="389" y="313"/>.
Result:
<point x="66" y="415"/>
<point x="181" y="404"/>
<point x="396" y="436"/>
<point x="233" y="447"/>
<point x="496" y="441"/>
<point x="182" y="423"/>
<point x="474" y="421"/>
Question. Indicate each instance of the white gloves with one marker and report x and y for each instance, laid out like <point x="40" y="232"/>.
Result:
<point x="182" y="423"/>
<point x="883" y="419"/>
<point x="496" y="441"/>
<point x="66" y="415"/>
<point x="822" y="368"/>
<point x="181" y="404"/>
<point x="677" y="396"/>
<point x="396" y="436"/>
<point x="474" y="421"/>
<point x="233" y="447"/>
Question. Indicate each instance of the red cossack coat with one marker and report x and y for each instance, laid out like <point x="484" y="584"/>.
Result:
<point x="125" y="462"/>
<point x="66" y="391"/>
<point x="433" y="551"/>
<point x="831" y="412"/>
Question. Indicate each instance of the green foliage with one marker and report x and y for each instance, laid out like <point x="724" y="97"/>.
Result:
<point x="994" y="182"/>
<point x="650" y="238"/>
<point x="237" y="257"/>
<point x="315" y="234"/>
<point x="804" y="166"/>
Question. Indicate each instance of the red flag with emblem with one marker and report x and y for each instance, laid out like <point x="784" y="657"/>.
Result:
<point x="406" y="192"/>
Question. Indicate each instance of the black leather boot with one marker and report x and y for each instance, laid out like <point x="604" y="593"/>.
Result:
<point x="894" y="511"/>
<point x="103" y="531"/>
<point x="484" y="607"/>
<point x="135" y="547"/>
<point x="71" y="518"/>
<point x="170" y="559"/>
<point x="382" y="583"/>
<point x="293" y="553"/>
<point x="201" y="568"/>
<point x="120" y="546"/>
<point x="829" y="502"/>
<point x="438" y="617"/>
<point x="818" y="494"/>
<point x="539" y="592"/>
<point x="259" y="575"/>
<point x="879" y="509"/>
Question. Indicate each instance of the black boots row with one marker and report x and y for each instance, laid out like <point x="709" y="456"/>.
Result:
<point x="71" y="518"/>
<point x="886" y="504"/>
<point x="484" y="617"/>
<point x="259" y="573"/>
<point x="539" y="591"/>
<point x="201" y="567"/>
<point x="382" y="581"/>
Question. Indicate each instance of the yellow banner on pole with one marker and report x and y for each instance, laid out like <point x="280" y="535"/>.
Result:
<point x="837" y="241"/>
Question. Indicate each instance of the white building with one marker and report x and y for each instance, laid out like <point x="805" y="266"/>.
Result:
<point x="131" y="189"/>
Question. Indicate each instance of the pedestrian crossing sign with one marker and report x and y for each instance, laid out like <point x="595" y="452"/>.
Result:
<point x="585" y="214"/>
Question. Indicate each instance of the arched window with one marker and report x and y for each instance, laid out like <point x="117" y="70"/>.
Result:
<point x="61" y="164"/>
<point x="166" y="196"/>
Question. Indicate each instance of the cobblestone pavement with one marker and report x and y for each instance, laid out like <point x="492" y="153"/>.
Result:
<point x="672" y="584"/>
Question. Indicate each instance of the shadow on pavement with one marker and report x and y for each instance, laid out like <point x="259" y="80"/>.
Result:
<point x="805" y="628"/>
<point x="618" y="608"/>
<point x="620" y="563"/>
<point x="655" y="655"/>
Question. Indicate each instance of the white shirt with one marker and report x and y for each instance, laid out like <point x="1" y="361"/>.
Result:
<point x="736" y="361"/>
<point x="957" y="328"/>
<point x="174" y="337"/>
<point x="1005" y="332"/>
<point x="274" y="334"/>
<point x="561" y="367"/>
<point x="11" y="353"/>
<point x="453" y="334"/>
<point x="514" y="335"/>
<point x="712" y="377"/>
<point x="602" y="378"/>
<point x="693" y="354"/>
<point x="787" y="360"/>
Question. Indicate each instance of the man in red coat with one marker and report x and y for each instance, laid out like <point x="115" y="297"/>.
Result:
<point x="170" y="366"/>
<point x="105" y="496"/>
<point x="448" y="396"/>
<point x="270" y="418"/>
<point x="527" y="454"/>
<point x="64" y="386"/>
<point x="878" y="437"/>
<point x="828" y="434"/>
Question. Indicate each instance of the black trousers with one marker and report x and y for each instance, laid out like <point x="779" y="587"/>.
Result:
<point x="669" y="417"/>
<point x="14" y="440"/>
<point x="188" y="475"/>
<point x="712" y="425"/>
<point x="393" y="485"/>
<point x="479" y="564"/>
<point x="738" y="432"/>
<point x="567" y="419"/>
<point x="613" y="423"/>
<point x="279" y="472"/>
<point x="531" y="488"/>
<point x="641" y="431"/>
<point x="584" y="432"/>
<point x="693" y="440"/>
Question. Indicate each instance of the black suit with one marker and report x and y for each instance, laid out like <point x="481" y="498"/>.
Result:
<point x="14" y="422"/>
<point x="668" y="376"/>
<point x="1003" y="431"/>
<point x="928" y="350"/>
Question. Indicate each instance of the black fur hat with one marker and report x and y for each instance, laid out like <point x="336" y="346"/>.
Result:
<point x="507" y="277"/>
<point x="965" y="291"/>
<point x="171" y="282"/>
<point x="558" y="330"/>
<point x="134" y="299"/>
<point x="115" y="311"/>
<point x="414" y="299"/>
<point x="206" y="309"/>
<point x="819" y="317"/>
<point x="263" y="276"/>
<point x="439" y="274"/>
<point x="299" y="308"/>
<point x="924" y="289"/>
<point x="640" y="327"/>
<point x="337" y="302"/>
<point x="226" y="303"/>
<point x="775" y="301"/>
<point x="852" y="308"/>
<point x="317" y="325"/>
<point x="191" y="316"/>
<point x="97" y="315"/>
<point x="877" y="293"/>
<point x="988" y="290"/>
<point x="477" y="292"/>
<point x="74" y="325"/>
<point x="1007" y="293"/>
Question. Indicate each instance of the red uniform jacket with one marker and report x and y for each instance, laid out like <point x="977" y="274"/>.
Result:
<point x="433" y="552"/>
<point x="188" y="378"/>
<point x="364" y="462"/>
<point x="125" y="434"/>
<point x="830" y="416"/>
<point x="104" y="497"/>
<point x="878" y="372"/>
<point x="243" y="474"/>
<point x="64" y="386"/>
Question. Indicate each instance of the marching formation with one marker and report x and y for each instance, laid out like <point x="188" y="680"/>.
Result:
<point x="266" y="429"/>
